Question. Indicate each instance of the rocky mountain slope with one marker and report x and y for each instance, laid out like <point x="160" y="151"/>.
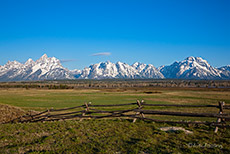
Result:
<point x="47" y="68"/>
<point x="107" y="69"/>
<point x="43" y="68"/>
<point x="191" y="68"/>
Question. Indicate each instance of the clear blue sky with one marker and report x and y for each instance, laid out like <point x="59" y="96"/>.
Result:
<point x="149" y="31"/>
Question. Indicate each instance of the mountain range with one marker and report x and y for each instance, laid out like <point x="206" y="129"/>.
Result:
<point x="50" y="68"/>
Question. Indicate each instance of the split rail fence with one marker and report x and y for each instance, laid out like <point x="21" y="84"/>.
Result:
<point x="91" y="111"/>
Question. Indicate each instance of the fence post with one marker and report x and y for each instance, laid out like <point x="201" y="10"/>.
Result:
<point x="51" y="110"/>
<point x="138" y="113"/>
<point x="48" y="114"/>
<point x="86" y="110"/>
<point x="221" y="107"/>
<point x="87" y="107"/>
<point x="142" y="114"/>
<point x="31" y="116"/>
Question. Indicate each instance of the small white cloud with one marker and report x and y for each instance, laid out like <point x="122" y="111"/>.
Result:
<point x="67" y="60"/>
<point x="102" y="54"/>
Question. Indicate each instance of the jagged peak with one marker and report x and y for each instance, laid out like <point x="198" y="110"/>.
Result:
<point x="224" y="67"/>
<point x="106" y="62"/>
<point x="160" y="67"/>
<point x="191" y="58"/>
<point x="29" y="61"/>
<point x="13" y="62"/>
<point x="176" y="62"/>
<point x="44" y="56"/>
<point x="150" y="65"/>
<point x="194" y="61"/>
<point x="188" y="68"/>
<point x="103" y="63"/>
<point x="137" y="64"/>
<point x="119" y="62"/>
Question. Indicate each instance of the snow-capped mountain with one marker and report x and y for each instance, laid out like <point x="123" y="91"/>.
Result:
<point x="51" y="69"/>
<point x="43" y="68"/>
<point x="147" y="71"/>
<point x="190" y="68"/>
<point x="107" y="70"/>
<point x="225" y="72"/>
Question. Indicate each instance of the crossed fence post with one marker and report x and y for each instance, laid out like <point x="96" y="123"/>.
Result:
<point x="139" y="107"/>
<point x="48" y="115"/>
<point x="219" y="120"/>
<point x="86" y="110"/>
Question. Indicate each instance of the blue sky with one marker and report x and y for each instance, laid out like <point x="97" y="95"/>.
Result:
<point x="149" y="31"/>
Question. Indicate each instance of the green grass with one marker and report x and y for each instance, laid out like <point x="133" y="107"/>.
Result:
<point x="109" y="136"/>
<point x="33" y="99"/>
<point x="42" y="99"/>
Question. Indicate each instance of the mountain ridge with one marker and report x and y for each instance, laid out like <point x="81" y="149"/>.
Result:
<point x="191" y="68"/>
<point x="50" y="68"/>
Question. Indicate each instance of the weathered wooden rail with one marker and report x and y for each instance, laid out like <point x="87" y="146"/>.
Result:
<point x="90" y="111"/>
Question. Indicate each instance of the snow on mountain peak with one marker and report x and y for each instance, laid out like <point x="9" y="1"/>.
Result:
<point x="29" y="61"/>
<point x="191" y="68"/>
<point x="119" y="63"/>
<point x="119" y="70"/>
<point x="45" y="64"/>
<point x="13" y="63"/>
<point x="51" y="68"/>
<point x="43" y="68"/>
<point x="136" y="64"/>
<point x="44" y="56"/>
<point x="108" y="62"/>
<point x="195" y="59"/>
<point x="191" y="58"/>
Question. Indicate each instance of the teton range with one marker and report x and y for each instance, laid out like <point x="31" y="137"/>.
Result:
<point x="51" y="69"/>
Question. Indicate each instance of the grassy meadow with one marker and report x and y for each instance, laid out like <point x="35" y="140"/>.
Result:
<point x="109" y="137"/>
<point x="112" y="135"/>
<point x="41" y="99"/>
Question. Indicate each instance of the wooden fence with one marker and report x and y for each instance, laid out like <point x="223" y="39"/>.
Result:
<point x="91" y="111"/>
